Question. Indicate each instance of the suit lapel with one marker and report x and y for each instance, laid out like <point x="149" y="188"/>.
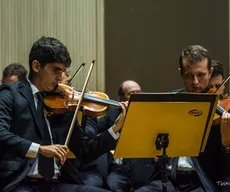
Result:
<point x="25" y="91"/>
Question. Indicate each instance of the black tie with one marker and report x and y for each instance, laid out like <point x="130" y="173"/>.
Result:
<point x="45" y="165"/>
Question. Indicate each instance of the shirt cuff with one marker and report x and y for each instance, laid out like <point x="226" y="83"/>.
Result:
<point x="33" y="150"/>
<point x="114" y="135"/>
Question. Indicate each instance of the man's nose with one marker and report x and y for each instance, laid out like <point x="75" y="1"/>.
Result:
<point x="59" y="77"/>
<point x="195" y="80"/>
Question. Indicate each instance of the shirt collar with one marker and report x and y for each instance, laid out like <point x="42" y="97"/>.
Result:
<point x="34" y="89"/>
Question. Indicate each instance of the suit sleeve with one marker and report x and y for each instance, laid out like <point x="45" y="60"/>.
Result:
<point x="89" y="127"/>
<point x="9" y="140"/>
<point x="88" y="150"/>
<point x="103" y="124"/>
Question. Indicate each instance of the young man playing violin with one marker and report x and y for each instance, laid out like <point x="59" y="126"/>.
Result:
<point x="206" y="171"/>
<point x="30" y="153"/>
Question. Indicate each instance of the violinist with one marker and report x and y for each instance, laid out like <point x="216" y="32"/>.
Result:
<point x="31" y="154"/>
<point x="217" y="76"/>
<point x="204" y="172"/>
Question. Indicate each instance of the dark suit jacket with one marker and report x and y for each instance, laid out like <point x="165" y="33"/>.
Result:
<point x="19" y="128"/>
<point x="100" y="166"/>
<point x="78" y="167"/>
<point x="108" y="120"/>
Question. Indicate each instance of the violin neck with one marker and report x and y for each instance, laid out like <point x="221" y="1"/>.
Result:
<point x="101" y="101"/>
<point x="220" y="110"/>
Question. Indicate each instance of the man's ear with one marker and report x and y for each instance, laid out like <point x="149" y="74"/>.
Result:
<point x="210" y="72"/>
<point x="179" y="70"/>
<point x="36" y="66"/>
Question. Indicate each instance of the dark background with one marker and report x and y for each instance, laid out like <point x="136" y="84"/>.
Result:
<point x="144" y="38"/>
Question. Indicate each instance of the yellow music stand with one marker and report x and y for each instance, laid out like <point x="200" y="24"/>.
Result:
<point x="178" y="122"/>
<point x="185" y="117"/>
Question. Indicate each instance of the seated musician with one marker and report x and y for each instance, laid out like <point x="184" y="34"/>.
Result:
<point x="217" y="76"/>
<point x="13" y="73"/>
<point x="113" y="172"/>
<point x="191" y="174"/>
<point x="118" y="178"/>
<point x="30" y="153"/>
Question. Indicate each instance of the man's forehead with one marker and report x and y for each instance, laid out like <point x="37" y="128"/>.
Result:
<point x="133" y="88"/>
<point x="188" y="62"/>
<point x="60" y="66"/>
<point x="130" y="84"/>
<point x="203" y="64"/>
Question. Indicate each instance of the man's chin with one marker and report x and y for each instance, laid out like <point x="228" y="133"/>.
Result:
<point x="198" y="91"/>
<point x="50" y="88"/>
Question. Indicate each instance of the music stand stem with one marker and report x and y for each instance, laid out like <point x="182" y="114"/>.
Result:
<point x="162" y="142"/>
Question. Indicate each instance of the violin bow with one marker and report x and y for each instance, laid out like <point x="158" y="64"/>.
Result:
<point x="79" y="104"/>
<point x="222" y="84"/>
<point x="75" y="74"/>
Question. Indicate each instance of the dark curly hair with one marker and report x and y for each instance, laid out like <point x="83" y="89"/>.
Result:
<point x="194" y="54"/>
<point x="15" y="69"/>
<point x="49" y="50"/>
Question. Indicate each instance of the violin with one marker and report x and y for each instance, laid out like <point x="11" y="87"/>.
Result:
<point x="65" y="99"/>
<point x="222" y="106"/>
<point x="225" y="103"/>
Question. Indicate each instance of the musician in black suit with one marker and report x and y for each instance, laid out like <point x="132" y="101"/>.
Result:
<point x="29" y="155"/>
<point x="13" y="73"/>
<point x="209" y="167"/>
<point x="105" y="169"/>
<point x="192" y="174"/>
<point x="118" y="178"/>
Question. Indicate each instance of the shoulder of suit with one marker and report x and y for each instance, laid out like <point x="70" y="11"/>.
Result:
<point x="12" y="86"/>
<point x="179" y="90"/>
